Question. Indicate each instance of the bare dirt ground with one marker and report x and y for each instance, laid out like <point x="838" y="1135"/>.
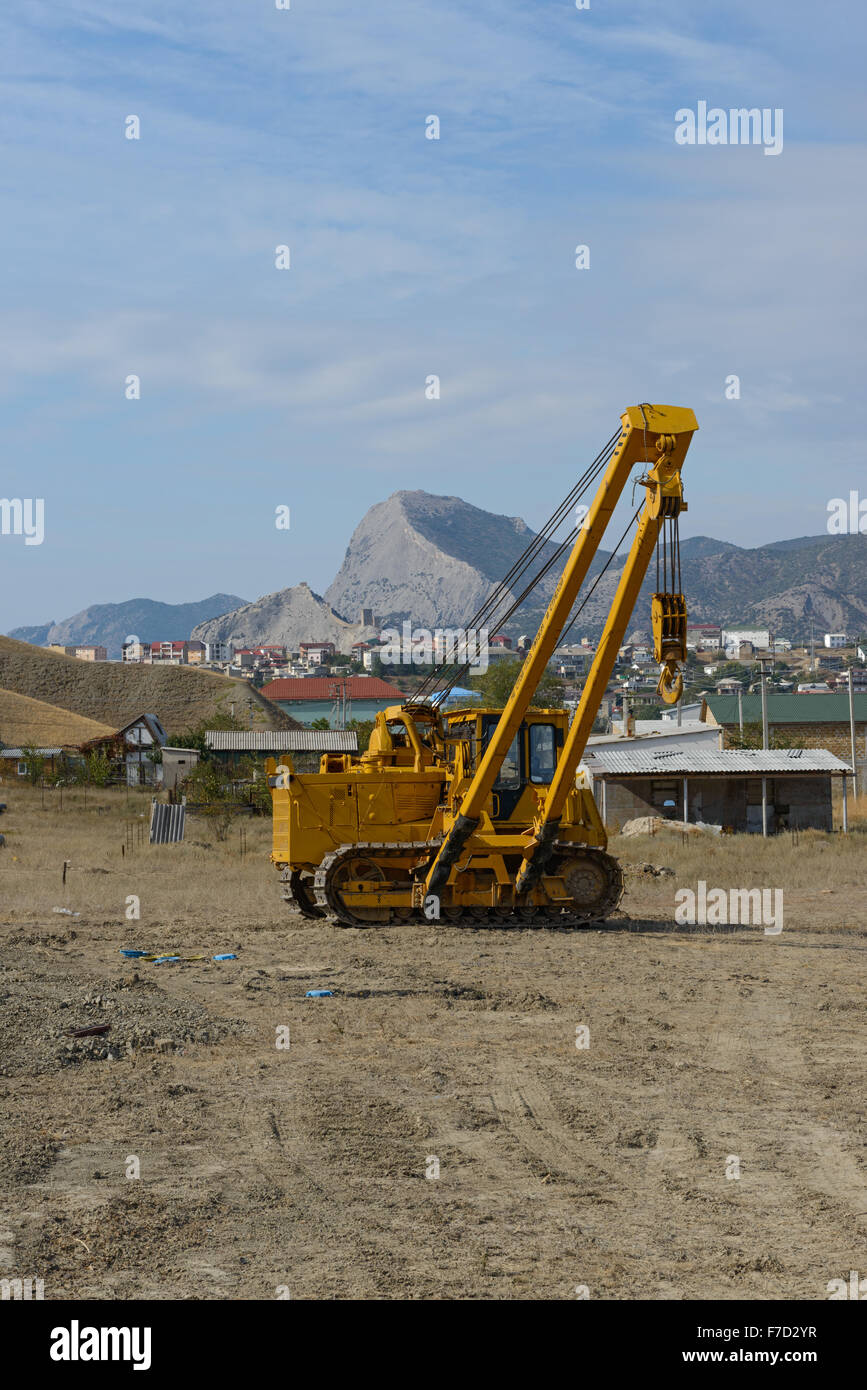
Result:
<point x="303" y="1168"/>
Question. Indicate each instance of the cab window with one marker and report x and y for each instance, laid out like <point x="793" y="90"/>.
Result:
<point x="510" y="773"/>
<point x="509" y="778"/>
<point x="542" y="757"/>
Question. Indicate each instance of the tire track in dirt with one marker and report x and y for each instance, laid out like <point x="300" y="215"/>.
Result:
<point x="799" y="1160"/>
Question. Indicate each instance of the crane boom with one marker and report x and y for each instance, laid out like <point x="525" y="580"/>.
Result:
<point x="664" y="501"/>
<point x="673" y="425"/>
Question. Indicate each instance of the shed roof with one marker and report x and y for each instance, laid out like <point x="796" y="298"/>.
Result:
<point x="283" y="740"/>
<point x="23" y="752"/>
<point x="608" y="761"/>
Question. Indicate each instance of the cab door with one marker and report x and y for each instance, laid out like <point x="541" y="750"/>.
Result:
<point x="510" y="781"/>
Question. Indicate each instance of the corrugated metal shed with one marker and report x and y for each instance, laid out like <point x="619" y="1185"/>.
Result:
<point x="608" y="761"/>
<point x="22" y="752"/>
<point x="167" y="823"/>
<point x="283" y="740"/>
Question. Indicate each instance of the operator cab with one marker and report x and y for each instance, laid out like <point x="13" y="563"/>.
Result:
<point x="529" y="762"/>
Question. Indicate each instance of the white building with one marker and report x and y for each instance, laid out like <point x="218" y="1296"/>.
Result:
<point x="835" y="639"/>
<point x="733" y="638"/>
<point x="217" y="652"/>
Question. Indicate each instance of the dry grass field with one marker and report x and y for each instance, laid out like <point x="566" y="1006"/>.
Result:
<point x="114" y="694"/>
<point x="25" y="721"/>
<point x="708" y="1143"/>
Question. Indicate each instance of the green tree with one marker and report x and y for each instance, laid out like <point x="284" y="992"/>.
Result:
<point x="208" y="787"/>
<point x="498" y="681"/>
<point x="320" y="723"/>
<point x="195" y="736"/>
<point x="98" y="768"/>
<point x="35" y="763"/>
<point x="364" y="728"/>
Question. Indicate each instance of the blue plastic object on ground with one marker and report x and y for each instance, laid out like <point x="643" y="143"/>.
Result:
<point x="319" y="994"/>
<point x="134" y="955"/>
<point x="228" y="956"/>
<point x="165" y="960"/>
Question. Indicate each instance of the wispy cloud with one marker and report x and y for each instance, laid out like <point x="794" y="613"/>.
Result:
<point x="410" y="257"/>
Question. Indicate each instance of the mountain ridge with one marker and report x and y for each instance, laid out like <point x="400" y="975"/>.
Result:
<point x="434" y="561"/>
<point x="108" y="624"/>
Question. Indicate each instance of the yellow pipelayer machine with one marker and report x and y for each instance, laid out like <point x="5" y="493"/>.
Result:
<point x="483" y="815"/>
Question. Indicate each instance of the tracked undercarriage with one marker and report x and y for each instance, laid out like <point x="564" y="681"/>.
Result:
<point x="372" y="884"/>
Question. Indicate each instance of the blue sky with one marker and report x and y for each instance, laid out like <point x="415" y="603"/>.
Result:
<point x="410" y="257"/>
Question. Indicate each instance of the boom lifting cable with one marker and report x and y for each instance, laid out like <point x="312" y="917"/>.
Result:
<point x="463" y="670"/>
<point x="451" y="673"/>
<point x="523" y="562"/>
<point x="454" y="670"/>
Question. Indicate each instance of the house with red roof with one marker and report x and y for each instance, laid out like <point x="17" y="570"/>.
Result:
<point x="335" y="698"/>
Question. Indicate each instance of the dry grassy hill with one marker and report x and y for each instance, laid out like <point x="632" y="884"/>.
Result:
<point x="180" y="696"/>
<point x="25" y="721"/>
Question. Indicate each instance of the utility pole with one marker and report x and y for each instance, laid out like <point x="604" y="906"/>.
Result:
<point x="852" y="735"/>
<point x="741" y="713"/>
<point x="764" y="707"/>
<point x="764" y="745"/>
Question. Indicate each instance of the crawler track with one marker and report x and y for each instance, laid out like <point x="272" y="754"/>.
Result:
<point x="588" y="869"/>
<point x="296" y="892"/>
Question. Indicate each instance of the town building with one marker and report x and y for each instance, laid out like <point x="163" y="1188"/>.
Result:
<point x="170" y="653"/>
<point x="746" y="639"/>
<point x="127" y="749"/>
<point x="316" y="653"/>
<point x="653" y="733"/>
<point x="14" y="760"/>
<point x="703" y="636"/>
<point x="177" y="764"/>
<point x="334" y="698"/>
<point x="816" y="721"/>
<point x="726" y="788"/>
<point x="836" y="639"/>
<point x="218" y="653"/>
<point x="83" y="652"/>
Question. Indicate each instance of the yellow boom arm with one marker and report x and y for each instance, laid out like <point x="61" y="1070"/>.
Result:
<point x="664" y="499"/>
<point x="642" y="427"/>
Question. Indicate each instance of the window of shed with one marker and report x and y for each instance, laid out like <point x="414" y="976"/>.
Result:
<point x="664" y="793"/>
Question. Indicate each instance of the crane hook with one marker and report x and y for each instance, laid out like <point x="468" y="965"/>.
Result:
<point x="670" y="686"/>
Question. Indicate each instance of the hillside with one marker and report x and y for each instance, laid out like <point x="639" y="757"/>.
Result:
<point x="180" y="696"/>
<point x="108" y="624"/>
<point x="25" y="721"/>
<point x="287" y="617"/>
